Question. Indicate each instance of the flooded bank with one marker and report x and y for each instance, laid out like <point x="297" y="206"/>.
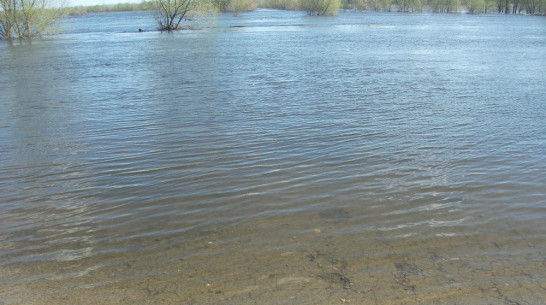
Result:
<point x="275" y="158"/>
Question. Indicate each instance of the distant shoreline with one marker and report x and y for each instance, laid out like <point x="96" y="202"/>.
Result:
<point x="149" y="6"/>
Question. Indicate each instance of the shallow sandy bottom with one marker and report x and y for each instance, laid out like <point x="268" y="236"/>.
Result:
<point x="369" y="158"/>
<point x="252" y="264"/>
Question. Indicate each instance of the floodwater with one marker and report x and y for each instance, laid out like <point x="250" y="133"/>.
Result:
<point x="276" y="158"/>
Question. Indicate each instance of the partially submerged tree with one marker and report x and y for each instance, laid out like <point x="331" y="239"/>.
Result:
<point x="27" y="18"/>
<point x="409" y="5"/>
<point x="172" y="13"/>
<point x="476" y="6"/>
<point x="320" y="7"/>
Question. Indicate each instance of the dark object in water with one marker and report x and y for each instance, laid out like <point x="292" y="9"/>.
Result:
<point x="140" y="30"/>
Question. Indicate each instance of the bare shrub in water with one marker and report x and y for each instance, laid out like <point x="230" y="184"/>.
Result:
<point x="171" y="13"/>
<point x="27" y="18"/>
<point x="476" y="6"/>
<point x="320" y="7"/>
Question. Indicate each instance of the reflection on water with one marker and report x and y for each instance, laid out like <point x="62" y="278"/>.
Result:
<point x="275" y="158"/>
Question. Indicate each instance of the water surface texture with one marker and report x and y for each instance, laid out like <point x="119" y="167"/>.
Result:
<point x="276" y="158"/>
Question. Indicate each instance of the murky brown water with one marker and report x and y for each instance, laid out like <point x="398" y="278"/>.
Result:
<point x="361" y="159"/>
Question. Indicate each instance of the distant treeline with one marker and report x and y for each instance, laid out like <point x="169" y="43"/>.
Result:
<point x="107" y="8"/>
<point x="531" y="7"/>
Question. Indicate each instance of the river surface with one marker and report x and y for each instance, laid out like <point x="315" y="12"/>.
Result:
<point x="275" y="158"/>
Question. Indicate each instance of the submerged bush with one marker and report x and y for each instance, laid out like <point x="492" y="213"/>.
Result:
<point x="320" y="7"/>
<point x="476" y="6"/>
<point x="171" y="13"/>
<point x="27" y="18"/>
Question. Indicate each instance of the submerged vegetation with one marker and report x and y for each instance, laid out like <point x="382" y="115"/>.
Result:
<point x="171" y="13"/>
<point x="27" y="18"/>
<point x="320" y="7"/>
<point x="330" y="7"/>
<point x="183" y="14"/>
